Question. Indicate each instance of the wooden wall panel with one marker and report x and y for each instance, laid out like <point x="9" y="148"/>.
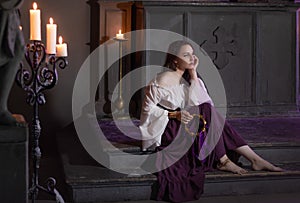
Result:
<point x="276" y="51"/>
<point x="253" y="47"/>
<point x="228" y="39"/>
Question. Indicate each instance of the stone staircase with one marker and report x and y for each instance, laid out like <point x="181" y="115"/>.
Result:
<point x="88" y="181"/>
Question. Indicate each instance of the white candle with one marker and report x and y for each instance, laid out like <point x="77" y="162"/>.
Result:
<point x="51" y="37"/>
<point x="35" y="23"/>
<point x="61" y="48"/>
<point x="120" y="35"/>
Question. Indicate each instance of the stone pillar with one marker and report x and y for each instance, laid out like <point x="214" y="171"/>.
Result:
<point x="13" y="164"/>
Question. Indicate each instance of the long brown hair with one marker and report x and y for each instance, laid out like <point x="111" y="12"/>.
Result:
<point x="171" y="57"/>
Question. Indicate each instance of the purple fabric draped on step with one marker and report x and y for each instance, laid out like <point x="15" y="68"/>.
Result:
<point x="183" y="181"/>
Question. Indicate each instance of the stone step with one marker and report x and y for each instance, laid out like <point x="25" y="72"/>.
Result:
<point x="254" y="182"/>
<point x="88" y="181"/>
<point x="277" y="153"/>
<point x="98" y="184"/>
<point x="259" y="198"/>
<point x="94" y="183"/>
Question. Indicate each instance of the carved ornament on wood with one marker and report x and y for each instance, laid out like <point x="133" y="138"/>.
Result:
<point x="221" y="46"/>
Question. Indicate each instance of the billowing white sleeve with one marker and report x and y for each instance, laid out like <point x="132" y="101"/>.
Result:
<point x="198" y="93"/>
<point x="153" y="118"/>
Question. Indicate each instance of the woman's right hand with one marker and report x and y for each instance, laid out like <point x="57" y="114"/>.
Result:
<point x="193" y="70"/>
<point x="183" y="116"/>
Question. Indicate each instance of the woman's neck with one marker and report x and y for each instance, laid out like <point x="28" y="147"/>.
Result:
<point x="178" y="76"/>
<point x="179" y="72"/>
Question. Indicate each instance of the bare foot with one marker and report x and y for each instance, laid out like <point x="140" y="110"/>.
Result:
<point x="228" y="165"/>
<point x="262" y="164"/>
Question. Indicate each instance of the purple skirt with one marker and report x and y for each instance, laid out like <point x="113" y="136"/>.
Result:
<point x="183" y="180"/>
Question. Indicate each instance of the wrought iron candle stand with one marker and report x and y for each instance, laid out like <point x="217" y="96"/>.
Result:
<point x="41" y="75"/>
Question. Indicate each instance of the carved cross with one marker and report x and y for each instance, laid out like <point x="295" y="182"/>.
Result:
<point x="220" y="47"/>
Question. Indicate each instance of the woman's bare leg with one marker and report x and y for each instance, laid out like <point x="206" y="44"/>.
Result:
<point x="227" y="165"/>
<point x="257" y="162"/>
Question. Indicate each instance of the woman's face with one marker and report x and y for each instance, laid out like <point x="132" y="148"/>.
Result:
<point x="186" y="53"/>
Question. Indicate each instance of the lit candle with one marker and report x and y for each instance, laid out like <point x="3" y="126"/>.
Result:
<point x="61" y="48"/>
<point x="51" y="37"/>
<point x="35" y="23"/>
<point x="120" y="35"/>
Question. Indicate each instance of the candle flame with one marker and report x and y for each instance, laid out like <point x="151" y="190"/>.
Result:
<point x="120" y="32"/>
<point x="60" y="39"/>
<point x="34" y="5"/>
<point x="20" y="27"/>
<point x="51" y="20"/>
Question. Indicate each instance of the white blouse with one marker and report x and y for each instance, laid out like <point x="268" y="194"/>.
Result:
<point x="154" y="119"/>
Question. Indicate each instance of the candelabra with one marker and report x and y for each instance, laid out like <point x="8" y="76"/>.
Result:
<point x="41" y="75"/>
<point x="119" y="103"/>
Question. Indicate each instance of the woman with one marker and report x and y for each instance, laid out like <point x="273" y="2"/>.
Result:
<point x="165" y="109"/>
